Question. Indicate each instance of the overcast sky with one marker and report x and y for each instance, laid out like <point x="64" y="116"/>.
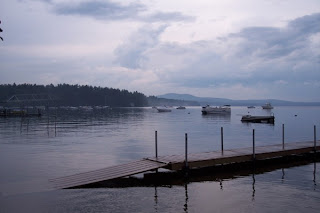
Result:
<point x="248" y="49"/>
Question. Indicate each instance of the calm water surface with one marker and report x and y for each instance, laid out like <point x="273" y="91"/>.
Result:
<point x="33" y="150"/>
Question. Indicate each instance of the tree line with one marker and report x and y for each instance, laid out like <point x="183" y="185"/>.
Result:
<point x="77" y="95"/>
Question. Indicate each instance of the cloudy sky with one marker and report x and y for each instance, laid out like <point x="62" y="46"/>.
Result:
<point x="248" y="49"/>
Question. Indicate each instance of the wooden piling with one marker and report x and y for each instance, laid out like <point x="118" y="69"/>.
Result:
<point x="186" y="150"/>
<point x="282" y="136"/>
<point x="315" y="137"/>
<point x="156" y="142"/>
<point x="222" y="139"/>
<point x="253" y="145"/>
<point x="55" y="125"/>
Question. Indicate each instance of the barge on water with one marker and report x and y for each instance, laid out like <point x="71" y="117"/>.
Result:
<point x="258" y="119"/>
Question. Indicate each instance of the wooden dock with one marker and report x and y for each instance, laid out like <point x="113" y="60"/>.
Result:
<point x="195" y="160"/>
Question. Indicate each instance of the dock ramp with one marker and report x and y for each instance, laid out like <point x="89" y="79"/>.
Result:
<point x="108" y="173"/>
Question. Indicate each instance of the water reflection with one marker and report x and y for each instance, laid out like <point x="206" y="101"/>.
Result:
<point x="314" y="175"/>
<point x="155" y="199"/>
<point x="254" y="171"/>
<point x="282" y="178"/>
<point x="185" y="208"/>
<point x="218" y="117"/>
<point x="253" y="186"/>
<point x="64" y="121"/>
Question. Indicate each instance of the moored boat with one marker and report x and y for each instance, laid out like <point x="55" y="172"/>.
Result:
<point x="216" y="110"/>
<point x="267" y="106"/>
<point x="181" y="107"/>
<point x="163" y="109"/>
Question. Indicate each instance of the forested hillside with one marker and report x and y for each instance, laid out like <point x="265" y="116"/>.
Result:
<point x="77" y="95"/>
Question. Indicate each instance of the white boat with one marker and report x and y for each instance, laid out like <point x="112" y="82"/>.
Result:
<point x="181" y="107"/>
<point x="163" y="109"/>
<point x="216" y="110"/>
<point x="267" y="106"/>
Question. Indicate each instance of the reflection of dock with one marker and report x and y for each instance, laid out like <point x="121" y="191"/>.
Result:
<point x="191" y="161"/>
<point x="18" y="113"/>
<point x="258" y="119"/>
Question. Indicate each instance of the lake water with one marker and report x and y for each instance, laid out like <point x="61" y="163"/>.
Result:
<point x="33" y="150"/>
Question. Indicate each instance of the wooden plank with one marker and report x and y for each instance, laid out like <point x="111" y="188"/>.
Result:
<point x="113" y="169"/>
<point x="109" y="173"/>
<point x="106" y="173"/>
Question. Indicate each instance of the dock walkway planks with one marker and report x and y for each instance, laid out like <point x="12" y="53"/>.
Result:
<point x="205" y="159"/>
<point x="177" y="162"/>
<point x="108" y="173"/>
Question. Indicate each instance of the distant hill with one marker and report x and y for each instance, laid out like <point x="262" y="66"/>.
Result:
<point x="155" y="101"/>
<point x="221" y="101"/>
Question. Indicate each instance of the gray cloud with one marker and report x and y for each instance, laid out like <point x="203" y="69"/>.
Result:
<point x="132" y="54"/>
<point x="106" y="10"/>
<point x="256" y="57"/>
<point x="164" y="17"/>
<point x="112" y="11"/>
<point x="270" y="43"/>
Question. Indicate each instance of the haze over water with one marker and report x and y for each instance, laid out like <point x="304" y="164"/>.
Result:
<point x="33" y="151"/>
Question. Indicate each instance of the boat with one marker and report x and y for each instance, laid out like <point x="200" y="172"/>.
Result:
<point x="163" y="109"/>
<point x="216" y="110"/>
<point x="181" y="107"/>
<point x="267" y="106"/>
<point x="258" y="119"/>
<point x="251" y="107"/>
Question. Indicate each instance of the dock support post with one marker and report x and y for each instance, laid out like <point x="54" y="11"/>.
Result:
<point x="156" y="142"/>
<point x="253" y="145"/>
<point x="315" y="138"/>
<point x="222" y="139"/>
<point x="282" y="136"/>
<point x="55" y="125"/>
<point x="186" y="151"/>
<point x="21" y="125"/>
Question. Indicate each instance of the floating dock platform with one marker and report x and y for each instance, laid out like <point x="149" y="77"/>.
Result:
<point x="258" y="119"/>
<point x="190" y="161"/>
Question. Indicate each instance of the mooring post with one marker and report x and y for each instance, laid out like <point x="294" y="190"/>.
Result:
<point x="156" y="142"/>
<point x="186" y="151"/>
<point x="253" y="145"/>
<point x="222" y="139"/>
<point x="282" y="136"/>
<point x="315" y="138"/>
<point x="55" y="125"/>
<point x="21" y="125"/>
